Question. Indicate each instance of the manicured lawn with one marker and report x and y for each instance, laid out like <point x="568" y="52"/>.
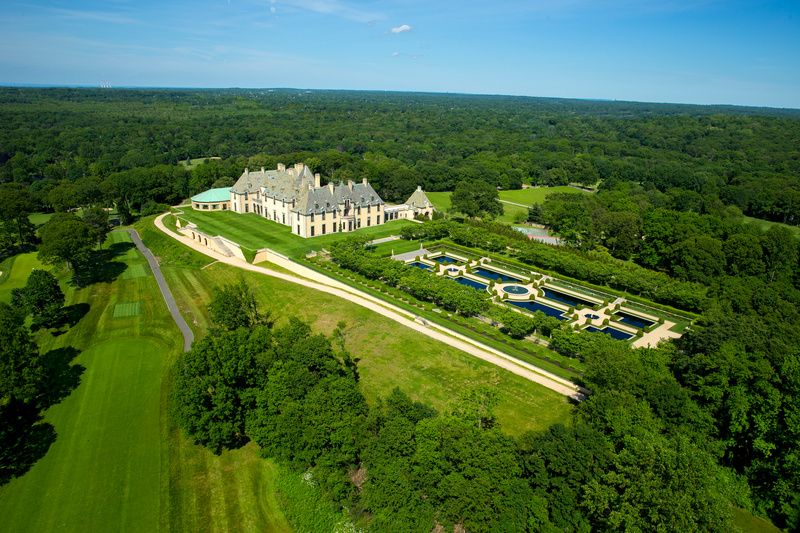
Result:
<point x="103" y="472"/>
<point x="254" y="232"/>
<point x="766" y="224"/>
<point x="15" y="271"/>
<point x="390" y="354"/>
<point x="192" y="163"/>
<point x="441" y="200"/>
<point x="536" y="195"/>
<point x="37" y="219"/>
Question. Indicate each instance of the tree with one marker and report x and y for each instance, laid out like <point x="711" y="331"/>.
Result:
<point x="97" y="220"/>
<point x="21" y="370"/>
<point x="234" y="306"/>
<point x="66" y="238"/>
<point x="15" y="207"/>
<point x="476" y="198"/>
<point x="214" y="384"/>
<point x="43" y="297"/>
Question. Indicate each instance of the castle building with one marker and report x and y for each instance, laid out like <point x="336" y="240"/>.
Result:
<point x="294" y="197"/>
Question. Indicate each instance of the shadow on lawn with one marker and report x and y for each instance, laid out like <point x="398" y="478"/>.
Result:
<point x="24" y="437"/>
<point x="100" y="266"/>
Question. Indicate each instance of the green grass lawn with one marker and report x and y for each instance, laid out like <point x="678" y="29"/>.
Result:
<point x="193" y="163"/>
<point x="441" y="200"/>
<point x="103" y="472"/>
<point x="764" y="225"/>
<point x="37" y="219"/>
<point x="15" y="271"/>
<point x="254" y="232"/>
<point x="390" y="354"/>
<point x="536" y="195"/>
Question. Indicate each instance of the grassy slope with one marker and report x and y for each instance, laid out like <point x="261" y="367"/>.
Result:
<point x="103" y="471"/>
<point x="764" y="225"/>
<point x="391" y="354"/>
<point x="536" y="195"/>
<point x="253" y="232"/>
<point x="15" y="271"/>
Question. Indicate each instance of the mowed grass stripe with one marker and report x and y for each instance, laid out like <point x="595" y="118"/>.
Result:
<point x="254" y="232"/>
<point x="103" y="471"/>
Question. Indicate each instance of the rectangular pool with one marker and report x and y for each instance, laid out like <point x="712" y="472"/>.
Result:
<point x="536" y="306"/>
<point x="568" y="299"/>
<point x="633" y="320"/>
<point x="497" y="276"/>
<point x="617" y="334"/>
<point x="470" y="283"/>
<point x="419" y="264"/>
<point x="446" y="259"/>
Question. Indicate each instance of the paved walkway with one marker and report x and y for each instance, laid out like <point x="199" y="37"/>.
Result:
<point x="515" y="203"/>
<point x="188" y="335"/>
<point x="382" y="240"/>
<point x="411" y="255"/>
<point x="322" y="283"/>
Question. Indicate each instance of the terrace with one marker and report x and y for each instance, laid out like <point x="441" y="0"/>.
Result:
<point x="588" y="309"/>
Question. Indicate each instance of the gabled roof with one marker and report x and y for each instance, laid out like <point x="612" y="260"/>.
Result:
<point x="323" y="200"/>
<point x="279" y="184"/>
<point x="419" y="200"/>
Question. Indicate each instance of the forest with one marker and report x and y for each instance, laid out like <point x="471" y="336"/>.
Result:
<point x="672" y="438"/>
<point x="69" y="146"/>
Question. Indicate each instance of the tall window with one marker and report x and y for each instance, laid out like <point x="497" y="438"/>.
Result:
<point x="312" y="231"/>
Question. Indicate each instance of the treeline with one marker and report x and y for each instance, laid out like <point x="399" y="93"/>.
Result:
<point x="32" y="381"/>
<point x="422" y="285"/>
<point x="595" y="267"/>
<point x="635" y="455"/>
<point x="739" y="156"/>
<point x="688" y="236"/>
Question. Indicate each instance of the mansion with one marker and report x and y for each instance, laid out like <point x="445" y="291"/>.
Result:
<point x="294" y="197"/>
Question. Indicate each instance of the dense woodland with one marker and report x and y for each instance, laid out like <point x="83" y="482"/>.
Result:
<point x="669" y="438"/>
<point x="71" y="145"/>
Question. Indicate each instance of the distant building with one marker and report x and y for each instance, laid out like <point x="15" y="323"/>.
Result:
<point x="294" y="197"/>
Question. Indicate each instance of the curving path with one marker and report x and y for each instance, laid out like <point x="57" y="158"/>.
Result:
<point x="188" y="335"/>
<point x="322" y="283"/>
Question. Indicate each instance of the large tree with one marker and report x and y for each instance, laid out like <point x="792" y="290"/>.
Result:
<point x="234" y="306"/>
<point x="68" y="239"/>
<point x="21" y="370"/>
<point x="476" y="198"/>
<point x="42" y="297"/>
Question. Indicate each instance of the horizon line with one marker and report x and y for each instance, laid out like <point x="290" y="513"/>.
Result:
<point x="26" y="85"/>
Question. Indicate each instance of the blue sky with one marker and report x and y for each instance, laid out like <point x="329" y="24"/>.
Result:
<point x="695" y="51"/>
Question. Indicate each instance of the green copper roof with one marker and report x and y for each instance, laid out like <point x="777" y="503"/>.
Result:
<point x="222" y="194"/>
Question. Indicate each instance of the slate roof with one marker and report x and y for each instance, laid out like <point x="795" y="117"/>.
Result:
<point x="279" y="184"/>
<point x="322" y="200"/>
<point x="290" y="184"/>
<point x="418" y="199"/>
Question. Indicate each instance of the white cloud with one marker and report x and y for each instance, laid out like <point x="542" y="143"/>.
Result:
<point x="401" y="29"/>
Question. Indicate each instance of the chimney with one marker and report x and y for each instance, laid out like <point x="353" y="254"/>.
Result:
<point x="246" y="171"/>
<point x="330" y="186"/>
<point x="281" y="167"/>
<point x="350" y="185"/>
<point x="262" y="170"/>
<point x="317" y="180"/>
<point x="364" y="181"/>
<point x="298" y="167"/>
<point x="419" y="187"/>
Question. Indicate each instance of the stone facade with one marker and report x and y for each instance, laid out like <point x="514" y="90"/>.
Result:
<point x="294" y="197"/>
